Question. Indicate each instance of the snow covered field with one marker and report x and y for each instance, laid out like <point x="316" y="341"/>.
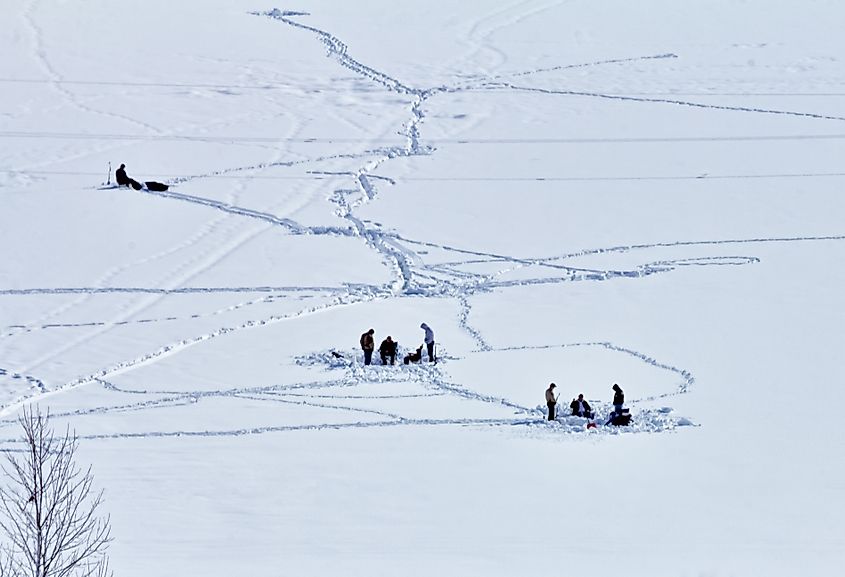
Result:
<point x="643" y="193"/>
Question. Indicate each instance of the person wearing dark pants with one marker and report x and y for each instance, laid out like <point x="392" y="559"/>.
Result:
<point x="581" y="408"/>
<point x="120" y="176"/>
<point x="618" y="398"/>
<point x="123" y="180"/>
<point x="429" y="341"/>
<point x="551" y="401"/>
<point x="367" y="345"/>
<point x="387" y="350"/>
<point x="618" y="402"/>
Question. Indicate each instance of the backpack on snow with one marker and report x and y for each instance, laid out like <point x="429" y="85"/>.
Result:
<point x="621" y="420"/>
<point x="156" y="186"/>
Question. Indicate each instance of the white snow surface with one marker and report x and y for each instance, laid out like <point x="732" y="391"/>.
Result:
<point x="585" y="192"/>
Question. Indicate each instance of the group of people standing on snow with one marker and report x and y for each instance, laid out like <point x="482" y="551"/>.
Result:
<point x="388" y="348"/>
<point x="579" y="407"/>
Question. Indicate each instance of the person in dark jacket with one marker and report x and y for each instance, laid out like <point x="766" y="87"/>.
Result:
<point x="367" y="345"/>
<point x="618" y="398"/>
<point x="120" y="176"/>
<point x="387" y="350"/>
<point x="581" y="408"/>
<point x="551" y="401"/>
<point x="123" y="180"/>
<point x="617" y="417"/>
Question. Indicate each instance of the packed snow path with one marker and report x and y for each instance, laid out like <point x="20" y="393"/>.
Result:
<point x="405" y="257"/>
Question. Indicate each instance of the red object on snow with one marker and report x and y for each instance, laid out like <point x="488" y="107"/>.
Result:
<point x="591" y="425"/>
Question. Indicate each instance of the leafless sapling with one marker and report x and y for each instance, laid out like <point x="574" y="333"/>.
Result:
<point x="49" y="509"/>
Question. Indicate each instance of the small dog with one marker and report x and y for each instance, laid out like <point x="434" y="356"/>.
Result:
<point x="414" y="357"/>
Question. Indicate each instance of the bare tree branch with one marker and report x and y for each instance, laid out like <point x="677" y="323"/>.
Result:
<point x="48" y="510"/>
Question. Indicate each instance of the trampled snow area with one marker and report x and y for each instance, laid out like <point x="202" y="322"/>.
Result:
<point x="585" y="192"/>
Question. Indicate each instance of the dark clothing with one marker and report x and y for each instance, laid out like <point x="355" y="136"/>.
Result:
<point x="120" y="177"/>
<point x="429" y="341"/>
<point x="619" y="419"/>
<point x="577" y="410"/>
<point x="387" y="350"/>
<point x="156" y="186"/>
<point x="618" y="397"/>
<point x="551" y="401"/>
<point x="367" y="344"/>
<point x="618" y="416"/>
<point x="414" y="357"/>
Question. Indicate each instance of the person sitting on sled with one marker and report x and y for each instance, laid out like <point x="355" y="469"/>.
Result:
<point x="120" y="176"/>
<point x="123" y="180"/>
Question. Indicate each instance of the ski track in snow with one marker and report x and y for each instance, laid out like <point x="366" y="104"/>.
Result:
<point x="430" y="379"/>
<point x="687" y="380"/>
<point x="56" y="79"/>
<point x="14" y="330"/>
<point x="412" y="276"/>
<point x="509" y="86"/>
<point x="584" y="65"/>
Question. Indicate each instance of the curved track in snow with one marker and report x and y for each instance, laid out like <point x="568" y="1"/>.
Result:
<point x="411" y="275"/>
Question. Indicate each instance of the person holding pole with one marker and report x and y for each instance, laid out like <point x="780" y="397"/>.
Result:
<point x="551" y="401"/>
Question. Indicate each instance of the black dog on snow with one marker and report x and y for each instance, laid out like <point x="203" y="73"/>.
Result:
<point x="414" y="357"/>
